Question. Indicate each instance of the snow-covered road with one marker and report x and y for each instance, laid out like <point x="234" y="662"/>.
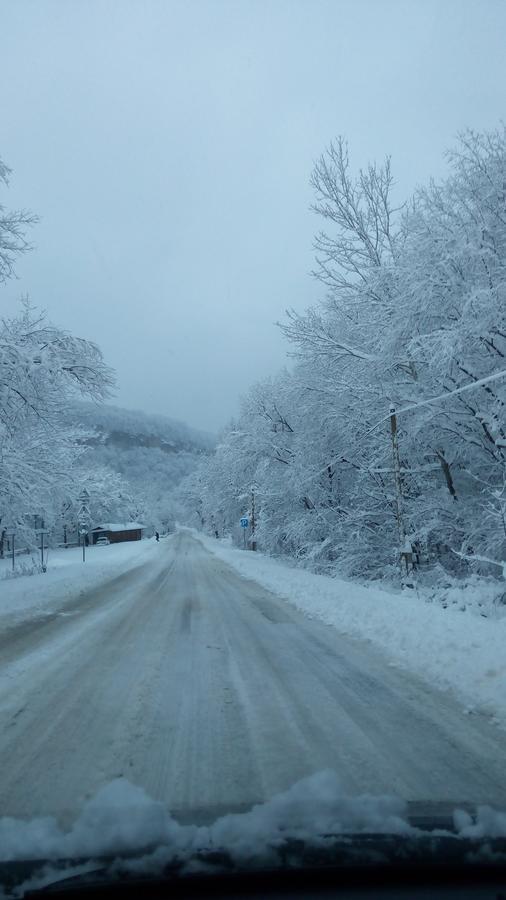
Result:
<point x="212" y="694"/>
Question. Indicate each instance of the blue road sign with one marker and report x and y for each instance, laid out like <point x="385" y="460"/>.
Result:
<point x="244" y="522"/>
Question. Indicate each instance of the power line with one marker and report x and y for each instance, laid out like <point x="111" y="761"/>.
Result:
<point x="460" y="390"/>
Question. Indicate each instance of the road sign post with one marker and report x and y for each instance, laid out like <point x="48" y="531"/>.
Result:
<point x="244" y="526"/>
<point x="83" y="518"/>
<point x="83" y="531"/>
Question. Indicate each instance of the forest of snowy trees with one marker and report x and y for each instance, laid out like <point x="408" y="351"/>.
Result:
<point x="413" y="316"/>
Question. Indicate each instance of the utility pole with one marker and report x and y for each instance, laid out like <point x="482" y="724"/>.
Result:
<point x="253" y="539"/>
<point x="11" y="533"/>
<point x="42" y="533"/>
<point x="405" y="554"/>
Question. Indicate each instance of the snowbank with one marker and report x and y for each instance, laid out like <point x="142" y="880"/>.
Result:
<point x="453" y="649"/>
<point x="66" y="576"/>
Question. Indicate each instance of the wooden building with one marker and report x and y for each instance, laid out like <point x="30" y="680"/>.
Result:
<point x="118" y="531"/>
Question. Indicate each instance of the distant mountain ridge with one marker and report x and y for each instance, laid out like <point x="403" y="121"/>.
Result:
<point x="134" y="428"/>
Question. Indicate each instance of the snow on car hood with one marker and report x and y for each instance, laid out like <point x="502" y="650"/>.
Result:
<point x="138" y="835"/>
<point x="121" y="818"/>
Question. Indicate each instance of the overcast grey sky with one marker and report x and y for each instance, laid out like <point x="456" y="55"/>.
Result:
<point x="167" y="147"/>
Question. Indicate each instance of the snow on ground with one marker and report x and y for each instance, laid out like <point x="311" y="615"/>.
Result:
<point x="66" y="576"/>
<point x="452" y="649"/>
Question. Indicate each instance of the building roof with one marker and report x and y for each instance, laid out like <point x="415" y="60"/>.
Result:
<point x="119" y="526"/>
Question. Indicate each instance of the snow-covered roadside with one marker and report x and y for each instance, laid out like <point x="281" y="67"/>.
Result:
<point x="66" y="577"/>
<point x="460" y="651"/>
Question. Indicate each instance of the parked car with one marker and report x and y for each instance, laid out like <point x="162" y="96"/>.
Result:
<point x="102" y="541"/>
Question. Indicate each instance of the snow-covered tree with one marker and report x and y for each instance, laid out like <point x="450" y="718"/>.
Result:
<point x="41" y="369"/>
<point x="13" y="228"/>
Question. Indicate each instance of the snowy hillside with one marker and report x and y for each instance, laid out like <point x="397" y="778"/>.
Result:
<point x="124" y="428"/>
<point x="152" y="453"/>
